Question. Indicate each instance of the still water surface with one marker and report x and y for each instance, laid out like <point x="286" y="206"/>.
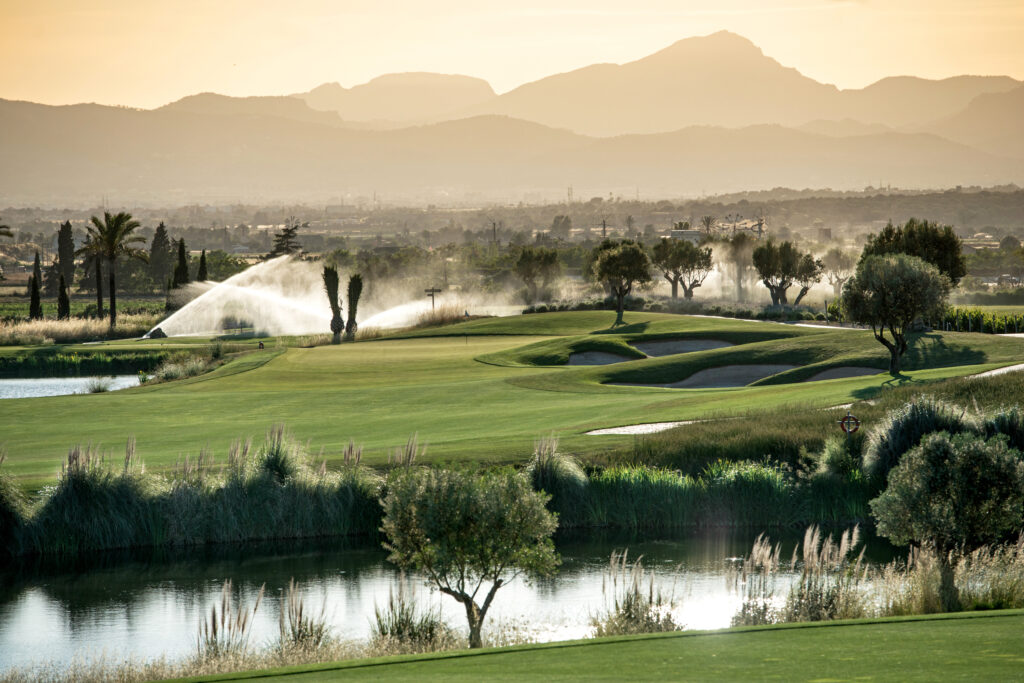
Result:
<point x="59" y="386"/>
<point x="147" y="607"/>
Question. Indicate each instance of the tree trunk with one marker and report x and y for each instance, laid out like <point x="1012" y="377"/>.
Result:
<point x="948" y="592"/>
<point x="113" y="295"/>
<point x="688" y="292"/>
<point x="619" y="308"/>
<point x="801" y="295"/>
<point x="476" y="622"/>
<point x="774" y="294"/>
<point x="99" y="289"/>
<point x="675" y="290"/>
<point x="782" y="296"/>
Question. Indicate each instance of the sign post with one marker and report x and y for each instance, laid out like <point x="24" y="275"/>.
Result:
<point x="431" y="292"/>
<point x="849" y="424"/>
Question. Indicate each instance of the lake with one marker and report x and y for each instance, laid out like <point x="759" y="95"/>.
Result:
<point x="145" y="607"/>
<point x="59" y="386"/>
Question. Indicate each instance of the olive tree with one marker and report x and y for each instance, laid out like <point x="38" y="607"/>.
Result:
<point x="933" y="243"/>
<point x="838" y="266"/>
<point x="682" y="263"/>
<point x="537" y="264"/>
<point x="889" y="293"/>
<point x="952" y="494"/>
<point x="469" y="533"/>
<point x="777" y="266"/>
<point x="808" y="273"/>
<point x="622" y="267"/>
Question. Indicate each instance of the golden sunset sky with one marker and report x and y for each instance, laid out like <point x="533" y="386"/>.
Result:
<point x="144" y="53"/>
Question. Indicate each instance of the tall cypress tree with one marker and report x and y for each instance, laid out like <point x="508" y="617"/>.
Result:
<point x="181" y="270"/>
<point x="37" y="274"/>
<point x="35" y="306"/>
<point x="201" y="275"/>
<point x="160" y="255"/>
<point x="63" y="302"/>
<point x="66" y="252"/>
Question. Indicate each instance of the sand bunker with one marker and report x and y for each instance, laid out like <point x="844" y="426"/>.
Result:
<point x="843" y="371"/>
<point x="669" y="347"/>
<point x="649" y="428"/>
<point x="595" y="358"/>
<point x="1001" y="371"/>
<point x="720" y="378"/>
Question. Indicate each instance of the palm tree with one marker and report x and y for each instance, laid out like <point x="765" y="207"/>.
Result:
<point x="331" y="287"/>
<point x="109" y="240"/>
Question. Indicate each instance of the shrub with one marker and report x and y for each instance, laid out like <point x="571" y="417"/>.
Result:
<point x="903" y="429"/>
<point x="298" y="629"/>
<point x="401" y="626"/>
<point x="633" y="607"/>
<point x="557" y="474"/>
<point x="1009" y="422"/>
<point x="226" y="631"/>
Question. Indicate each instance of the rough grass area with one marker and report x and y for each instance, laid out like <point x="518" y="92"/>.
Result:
<point x="972" y="646"/>
<point x="378" y="393"/>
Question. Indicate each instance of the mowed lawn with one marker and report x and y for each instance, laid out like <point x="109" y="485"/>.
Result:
<point x="985" y="646"/>
<point x="379" y="393"/>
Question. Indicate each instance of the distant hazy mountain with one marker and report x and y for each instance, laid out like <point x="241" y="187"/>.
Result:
<point x="993" y="122"/>
<point x="907" y="100"/>
<point x="844" y="128"/>
<point x="223" y="105"/>
<point x="403" y="97"/>
<point x="721" y="79"/>
<point x="58" y="155"/>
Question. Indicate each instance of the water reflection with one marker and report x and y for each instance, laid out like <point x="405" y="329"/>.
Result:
<point x="146" y="605"/>
<point x="59" y="386"/>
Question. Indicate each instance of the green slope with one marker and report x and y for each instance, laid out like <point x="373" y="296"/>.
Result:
<point x="974" y="646"/>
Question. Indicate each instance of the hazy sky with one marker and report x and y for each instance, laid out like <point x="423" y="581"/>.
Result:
<point x="146" y="53"/>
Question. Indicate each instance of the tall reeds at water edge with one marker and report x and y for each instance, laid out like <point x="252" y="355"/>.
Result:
<point x="270" y="492"/>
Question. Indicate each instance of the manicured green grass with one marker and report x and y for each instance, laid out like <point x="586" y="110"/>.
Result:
<point x="378" y="393"/>
<point x="971" y="646"/>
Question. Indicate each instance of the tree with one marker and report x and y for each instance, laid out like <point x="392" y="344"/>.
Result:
<point x="113" y="239"/>
<point x="682" y="263"/>
<point x="1009" y="243"/>
<point x="839" y="266"/>
<point x="937" y="245"/>
<point x="201" y="275"/>
<point x="5" y="230"/>
<point x="35" y="306"/>
<point x="286" y="241"/>
<point x="66" y="252"/>
<point x="622" y="267"/>
<point x="707" y="224"/>
<point x="355" y="290"/>
<point x="952" y="494"/>
<point x="561" y="226"/>
<point x="464" y="530"/>
<point x="534" y="264"/>
<point x="160" y="254"/>
<point x="63" y="301"/>
<point x="889" y="293"/>
<point x="181" y="276"/>
<point x="777" y="266"/>
<point x="808" y="274"/>
<point x="738" y="251"/>
<point x="330" y="276"/>
<point x="51" y="279"/>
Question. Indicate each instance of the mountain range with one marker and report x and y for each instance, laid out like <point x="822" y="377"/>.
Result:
<point x="707" y="114"/>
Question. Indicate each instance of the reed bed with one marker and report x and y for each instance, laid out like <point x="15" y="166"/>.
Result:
<point x="52" y="331"/>
<point x="442" y="314"/>
<point x="271" y="492"/>
<point x="633" y="604"/>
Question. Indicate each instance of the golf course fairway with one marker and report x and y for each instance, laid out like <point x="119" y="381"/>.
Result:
<point x="480" y="391"/>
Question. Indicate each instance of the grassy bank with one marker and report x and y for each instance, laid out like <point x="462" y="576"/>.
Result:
<point x="380" y="392"/>
<point x="976" y="646"/>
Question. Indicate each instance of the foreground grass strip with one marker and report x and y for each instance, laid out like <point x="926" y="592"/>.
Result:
<point x="975" y="645"/>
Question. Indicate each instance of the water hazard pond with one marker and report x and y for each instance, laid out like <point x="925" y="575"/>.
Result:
<point x="59" y="386"/>
<point x="152" y="606"/>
